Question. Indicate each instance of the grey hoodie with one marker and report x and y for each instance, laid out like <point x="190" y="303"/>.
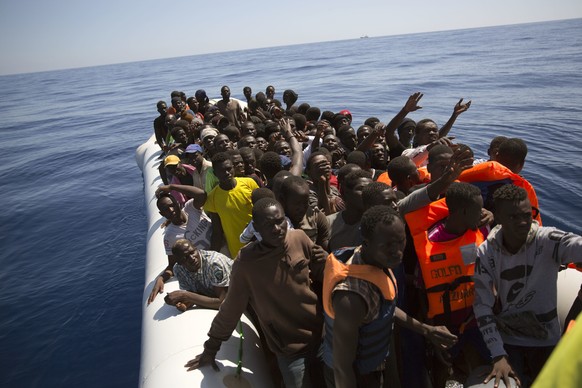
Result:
<point x="525" y="283"/>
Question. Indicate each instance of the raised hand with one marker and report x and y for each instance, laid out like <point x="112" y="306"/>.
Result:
<point x="460" y="107"/>
<point x="412" y="102"/>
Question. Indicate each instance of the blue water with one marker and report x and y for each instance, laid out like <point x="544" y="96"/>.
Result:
<point x="73" y="223"/>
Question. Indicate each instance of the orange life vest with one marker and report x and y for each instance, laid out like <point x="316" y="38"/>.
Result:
<point x="488" y="176"/>
<point x="446" y="266"/>
<point x="422" y="172"/>
<point x="336" y="271"/>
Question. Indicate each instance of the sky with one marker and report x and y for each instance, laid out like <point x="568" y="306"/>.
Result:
<point x="39" y="35"/>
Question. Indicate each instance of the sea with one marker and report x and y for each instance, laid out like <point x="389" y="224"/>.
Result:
<point x="73" y="224"/>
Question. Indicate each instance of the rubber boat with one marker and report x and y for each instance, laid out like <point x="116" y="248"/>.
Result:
<point x="169" y="338"/>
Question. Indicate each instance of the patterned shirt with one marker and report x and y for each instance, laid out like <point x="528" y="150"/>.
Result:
<point x="214" y="271"/>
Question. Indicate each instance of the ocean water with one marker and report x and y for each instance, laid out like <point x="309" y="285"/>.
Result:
<point x="72" y="221"/>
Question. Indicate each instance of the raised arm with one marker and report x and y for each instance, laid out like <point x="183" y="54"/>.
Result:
<point x="460" y="161"/>
<point x="411" y="105"/>
<point x="197" y="194"/>
<point x="296" y="147"/>
<point x="459" y="108"/>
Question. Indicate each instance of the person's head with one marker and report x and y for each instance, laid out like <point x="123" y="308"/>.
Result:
<point x="169" y="208"/>
<point x="269" y="221"/>
<point x="262" y="143"/>
<point x="513" y="211"/>
<point x="207" y="136"/>
<point x="383" y="236"/>
<point x="179" y="134"/>
<point x="248" y="128"/>
<point x="465" y="202"/>
<point x="162" y="107"/>
<point x="339" y="120"/>
<point x="201" y="97"/>
<point x="425" y="132"/>
<point x="249" y="159"/>
<point x="378" y="156"/>
<point x="359" y="158"/>
<point x="247" y="141"/>
<point x="352" y="186"/>
<point x="237" y="163"/>
<point x="303" y="108"/>
<point x="277" y="182"/>
<point x="331" y="142"/>
<point x="232" y="132"/>
<point x="439" y="158"/>
<point x="223" y="167"/>
<point x="178" y="104"/>
<point x="379" y="193"/>
<point x="282" y="148"/>
<point x="294" y="196"/>
<point x="290" y="97"/>
<point x="225" y="92"/>
<point x="192" y="104"/>
<point x="347" y="135"/>
<point x="344" y="170"/>
<point x="300" y="121"/>
<point x="406" y="131"/>
<point x="312" y="114"/>
<point x="260" y="193"/>
<point x="270" y="164"/>
<point x="403" y="173"/>
<point x="222" y="143"/>
<point x="193" y="154"/>
<point x="169" y="121"/>
<point x="494" y="146"/>
<point x="363" y="132"/>
<point x="187" y="255"/>
<point x="347" y="114"/>
<point x="371" y="121"/>
<point x="270" y="92"/>
<point x="512" y="153"/>
<point x="248" y="92"/>
<point x="318" y="165"/>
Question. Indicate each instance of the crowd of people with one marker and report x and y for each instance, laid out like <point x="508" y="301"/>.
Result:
<point x="379" y="256"/>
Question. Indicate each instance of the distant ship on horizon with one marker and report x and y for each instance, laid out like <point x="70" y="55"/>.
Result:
<point x="364" y="37"/>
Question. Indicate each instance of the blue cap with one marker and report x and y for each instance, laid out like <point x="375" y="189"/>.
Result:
<point x="192" y="148"/>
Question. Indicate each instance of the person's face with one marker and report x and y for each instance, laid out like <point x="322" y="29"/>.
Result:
<point x="385" y="247"/>
<point x="296" y="203"/>
<point x="224" y="171"/>
<point x="225" y="92"/>
<point x="270" y="92"/>
<point x="248" y="93"/>
<point x="168" y="209"/>
<point x="180" y="136"/>
<point x="405" y="134"/>
<point x="179" y="105"/>
<point x="272" y="226"/>
<point x="283" y="148"/>
<point x="378" y="153"/>
<point x="162" y="107"/>
<point x="222" y="143"/>
<point x="388" y="198"/>
<point x="249" y="141"/>
<point x="426" y="133"/>
<point x="249" y="161"/>
<point x="330" y="142"/>
<point x="363" y="133"/>
<point x="239" y="165"/>
<point x="413" y="176"/>
<point x="208" y="142"/>
<point x="248" y="128"/>
<point x="262" y="144"/>
<point x="472" y="214"/>
<point x="438" y="167"/>
<point x="515" y="219"/>
<point x="319" y="167"/>
<point x="353" y="195"/>
<point x="349" y="139"/>
<point x="189" y="258"/>
<point x="177" y="170"/>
